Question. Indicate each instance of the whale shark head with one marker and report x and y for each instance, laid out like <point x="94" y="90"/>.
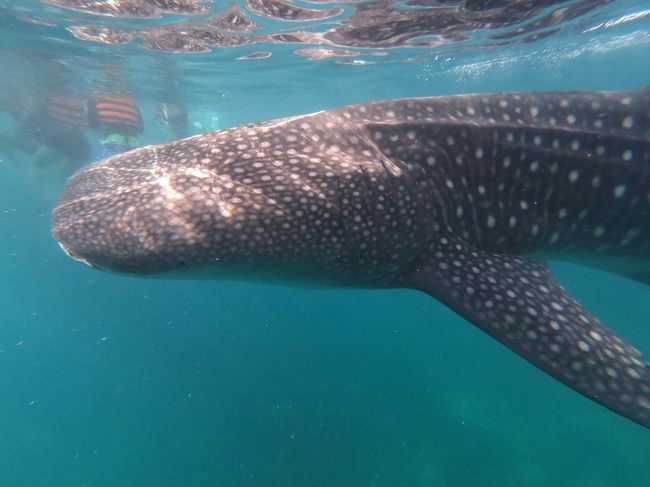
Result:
<point x="255" y="200"/>
<point x="163" y="208"/>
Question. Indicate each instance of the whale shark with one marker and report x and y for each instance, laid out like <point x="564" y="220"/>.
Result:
<point x="461" y="197"/>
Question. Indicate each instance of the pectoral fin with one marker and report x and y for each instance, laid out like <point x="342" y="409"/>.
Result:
<point x="517" y="301"/>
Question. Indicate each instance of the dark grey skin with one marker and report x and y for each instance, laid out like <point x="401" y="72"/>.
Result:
<point x="448" y="195"/>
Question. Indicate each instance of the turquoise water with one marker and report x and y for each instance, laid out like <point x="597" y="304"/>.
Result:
<point x="113" y="381"/>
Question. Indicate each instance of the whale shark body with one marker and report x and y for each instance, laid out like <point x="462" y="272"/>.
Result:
<point x="458" y="197"/>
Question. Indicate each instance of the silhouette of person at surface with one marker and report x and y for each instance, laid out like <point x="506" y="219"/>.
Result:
<point x="113" y="110"/>
<point x="50" y="127"/>
<point x="174" y="115"/>
<point x="171" y="110"/>
<point x="118" y="118"/>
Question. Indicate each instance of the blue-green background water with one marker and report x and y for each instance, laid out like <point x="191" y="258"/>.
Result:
<point x="107" y="380"/>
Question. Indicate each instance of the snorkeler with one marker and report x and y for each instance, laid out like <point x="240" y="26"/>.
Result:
<point x="118" y="118"/>
<point x="50" y="128"/>
<point x="173" y="115"/>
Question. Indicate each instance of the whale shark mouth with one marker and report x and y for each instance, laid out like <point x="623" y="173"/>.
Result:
<point x="76" y="257"/>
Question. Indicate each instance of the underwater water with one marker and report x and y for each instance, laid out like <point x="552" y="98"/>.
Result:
<point x="109" y="380"/>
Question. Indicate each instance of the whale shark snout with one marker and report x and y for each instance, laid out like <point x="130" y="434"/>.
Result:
<point x="457" y="197"/>
<point x="135" y="229"/>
